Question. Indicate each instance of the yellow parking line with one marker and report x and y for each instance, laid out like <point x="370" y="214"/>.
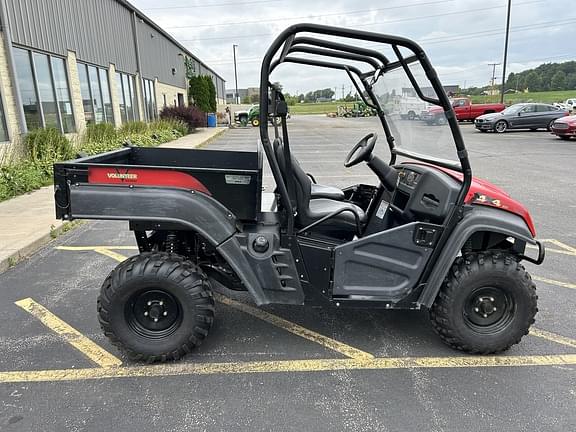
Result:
<point x="111" y="254"/>
<point x="554" y="282"/>
<point x="325" y="341"/>
<point x="562" y="245"/>
<point x="282" y="366"/>
<point x="553" y="337"/>
<point x="91" y="248"/>
<point x="94" y="352"/>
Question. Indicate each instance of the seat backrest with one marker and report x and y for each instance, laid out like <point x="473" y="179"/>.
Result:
<point x="303" y="184"/>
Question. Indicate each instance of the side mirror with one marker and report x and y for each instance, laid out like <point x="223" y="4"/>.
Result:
<point x="519" y="114"/>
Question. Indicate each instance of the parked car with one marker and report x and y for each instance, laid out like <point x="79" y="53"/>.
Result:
<point x="571" y="104"/>
<point x="520" y="116"/>
<point x="565" y="127"/>
<point x="464" y="110"/>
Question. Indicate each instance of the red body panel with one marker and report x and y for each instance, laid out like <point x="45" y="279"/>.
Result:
<point x="148" y="177"/>
<point x="482" y="192"/>
<point x="565" y="126"/>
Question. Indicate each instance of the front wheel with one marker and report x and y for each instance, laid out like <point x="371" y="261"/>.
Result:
<point x="487" y="304"/>
<point x="564" y="137"/>
<point x="501" y="126"/>
<point x="255" y="122"/>
<point x="156" y="307"/>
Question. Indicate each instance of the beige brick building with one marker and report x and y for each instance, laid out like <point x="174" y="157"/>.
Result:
<point x="68" y="63"/>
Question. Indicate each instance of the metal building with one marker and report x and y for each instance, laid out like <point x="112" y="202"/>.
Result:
<point x="67" y="63"/>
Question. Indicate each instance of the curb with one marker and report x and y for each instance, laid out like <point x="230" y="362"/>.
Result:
<point x="32" y="247"/>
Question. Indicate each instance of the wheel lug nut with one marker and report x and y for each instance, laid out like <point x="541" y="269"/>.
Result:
<point x="149" y="303"/>
<point x="165" y="313"/>
<point x="476" y="310"/>
<point x="161" y="303"/>
<point x="494" y="309"/>
<point x="485" y="315"/>
<point x="491" y="299"/>
<point x="145" y="313"/>
<point x="155" y="319"/>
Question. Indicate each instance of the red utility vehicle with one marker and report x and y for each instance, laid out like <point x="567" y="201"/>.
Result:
<point x="464" y="110"/>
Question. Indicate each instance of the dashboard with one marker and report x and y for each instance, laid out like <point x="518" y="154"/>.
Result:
<point x="423" y="194"/>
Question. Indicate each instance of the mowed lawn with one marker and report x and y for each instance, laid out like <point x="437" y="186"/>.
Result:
<point x="317" y="108"/>
<point x="546" y="97"/>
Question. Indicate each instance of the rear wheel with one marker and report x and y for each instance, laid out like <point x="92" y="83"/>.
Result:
<point x="411" y="115"/>
<point x="441" y="120"/>
<point x="486" y="304"/>
<point x="255" y="122"/>
<point x="549" y="127"/>
<point x="156" y="307"/>
<point x="501" y="126"/>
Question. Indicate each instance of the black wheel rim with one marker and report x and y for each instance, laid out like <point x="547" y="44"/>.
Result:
<point x="489" y="310"/>
<point x="154" y="313"/>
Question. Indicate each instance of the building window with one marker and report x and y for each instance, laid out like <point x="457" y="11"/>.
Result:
<point x="95" y="91"/>
<point x="149" y="100"/>
<point x="3" y="130"/>
<point x="44" y="89"/>
<point x="125" y="86"/>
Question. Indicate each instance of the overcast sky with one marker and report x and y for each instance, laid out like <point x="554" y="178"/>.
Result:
<point x="461" y="37"/>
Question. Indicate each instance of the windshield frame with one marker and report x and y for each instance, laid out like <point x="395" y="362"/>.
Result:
<point x="282" y="51"/>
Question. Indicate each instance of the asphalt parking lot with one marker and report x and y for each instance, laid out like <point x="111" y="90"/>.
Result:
<point x="287" y="368"/>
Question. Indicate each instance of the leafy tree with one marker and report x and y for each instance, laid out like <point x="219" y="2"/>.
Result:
<point x="571" y="81"/>
<point x="558" y="81"/>
<point x="202" y="93"/>
<point x="533" y="81"/>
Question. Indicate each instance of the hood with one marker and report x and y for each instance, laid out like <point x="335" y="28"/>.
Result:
<point x="571" y="120"/>
<point x="482" y="192"/>
<point x="490" y="116"/>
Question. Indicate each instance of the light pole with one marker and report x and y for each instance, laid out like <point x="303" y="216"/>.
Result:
<point x="234" y="46"/>
<point x="505" y="52"/>
<point x="493" y="76"/>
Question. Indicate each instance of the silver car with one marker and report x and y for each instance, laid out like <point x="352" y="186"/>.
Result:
<point x="520" y="116"/>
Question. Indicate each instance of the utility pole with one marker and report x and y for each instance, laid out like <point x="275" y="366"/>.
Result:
<point x="234" y="46"/>
<point x="493" y="75"/>
<point x="505" y="52"/>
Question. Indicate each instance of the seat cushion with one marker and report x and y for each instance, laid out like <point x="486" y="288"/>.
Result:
<point x="320" y="207"/>
<point x="322" y="191"/>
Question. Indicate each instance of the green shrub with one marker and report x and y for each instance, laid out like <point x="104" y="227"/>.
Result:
<point x="22" y="177"/>
<point x="47" y="145"/>
<point x="136" y="127"/>
<point x="171" y="124"/>
<point x="100" y="132"/>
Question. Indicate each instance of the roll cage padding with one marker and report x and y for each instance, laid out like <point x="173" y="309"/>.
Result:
<point x="478" y="219"/>
<point x="190" y="210"/>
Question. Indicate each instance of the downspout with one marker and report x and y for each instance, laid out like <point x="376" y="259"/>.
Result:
<point x="138" y="65"/>
<point x="5" y="26"/>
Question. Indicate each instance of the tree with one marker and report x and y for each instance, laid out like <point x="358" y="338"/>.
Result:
<point x="558" y="81"/>
<point x="202" y="93"/>
<point x="571" y="81"/>
<point x="533" y="81"/>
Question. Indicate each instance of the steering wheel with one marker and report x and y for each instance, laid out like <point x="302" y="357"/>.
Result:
<point x="362" y="151"/>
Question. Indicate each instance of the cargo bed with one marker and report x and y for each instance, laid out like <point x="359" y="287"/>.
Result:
<point x="234" y="178"/>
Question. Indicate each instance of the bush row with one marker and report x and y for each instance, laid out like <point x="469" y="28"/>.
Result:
<point x="44" y="147"/>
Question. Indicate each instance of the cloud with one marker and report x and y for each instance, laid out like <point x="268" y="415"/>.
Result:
<point x="460" y="37"/>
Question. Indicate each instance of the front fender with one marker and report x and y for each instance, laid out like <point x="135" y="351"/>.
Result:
<point x="478" y="219"/>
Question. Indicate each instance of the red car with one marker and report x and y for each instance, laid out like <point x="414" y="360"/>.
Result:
<point x="565" y="127"/>
<point x="464" y="110"/>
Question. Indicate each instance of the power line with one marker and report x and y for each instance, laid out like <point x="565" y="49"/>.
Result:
<point x="437" y="40"/>
<point x="315" y="16"/>
<point x="237" y="4"/>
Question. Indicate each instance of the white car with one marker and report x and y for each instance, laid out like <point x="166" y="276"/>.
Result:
<point x="571" y="104"/>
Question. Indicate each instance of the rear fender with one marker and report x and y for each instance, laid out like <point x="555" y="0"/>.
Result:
<point x="270" y="277"/>
<point x="478" y="219"/>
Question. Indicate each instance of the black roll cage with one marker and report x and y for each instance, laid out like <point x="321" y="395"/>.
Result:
<point x="289" y="42"/>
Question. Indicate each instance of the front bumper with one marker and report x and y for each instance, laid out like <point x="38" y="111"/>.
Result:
<point x="571" y="132"/>
<point x="484" y="125"/>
